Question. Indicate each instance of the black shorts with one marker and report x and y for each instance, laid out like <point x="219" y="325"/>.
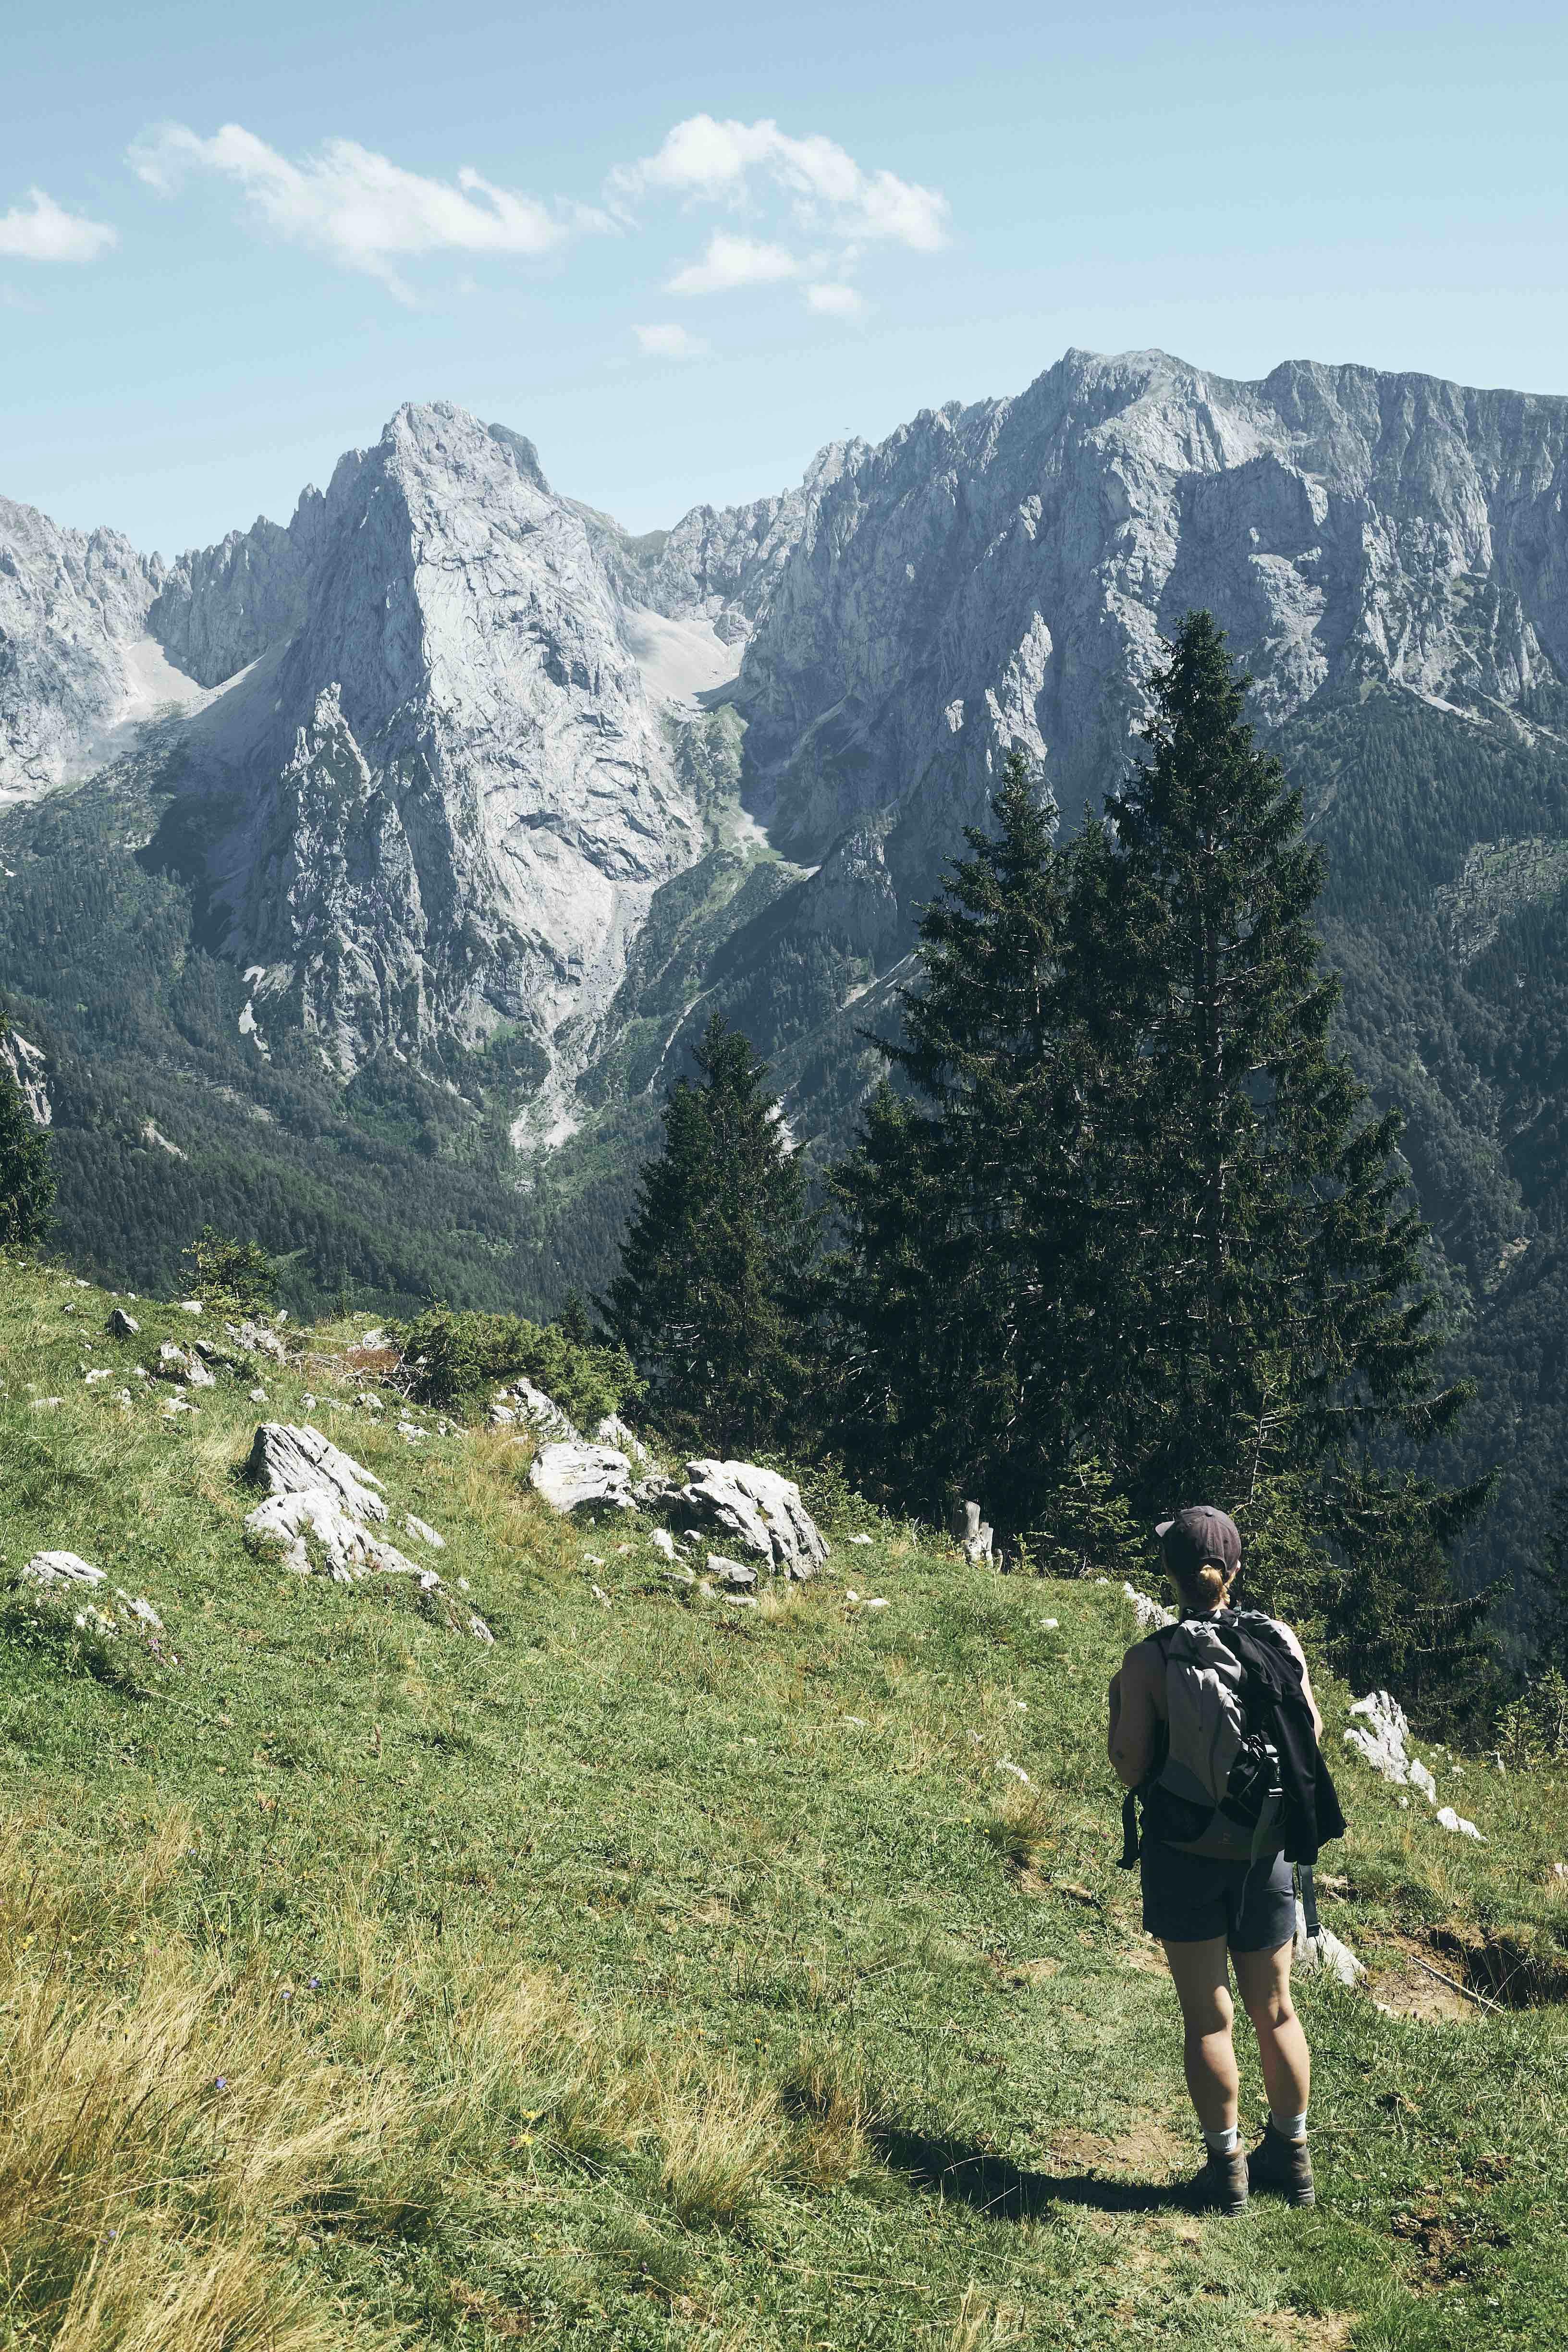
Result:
<point x="1188" y="1899"/>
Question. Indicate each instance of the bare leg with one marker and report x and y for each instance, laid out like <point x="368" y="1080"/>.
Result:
<point x="1263" y="1979"/>
<point x="1203" y="1987"/>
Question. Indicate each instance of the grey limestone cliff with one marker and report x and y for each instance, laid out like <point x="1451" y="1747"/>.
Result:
<point x="71" y="602"/>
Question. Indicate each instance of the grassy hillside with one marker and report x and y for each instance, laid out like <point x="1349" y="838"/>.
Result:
<point x="667" y="1974"/>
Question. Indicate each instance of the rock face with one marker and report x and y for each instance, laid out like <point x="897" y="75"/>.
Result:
<point x="1000" y="576"/>
<point x="71" y="602"/>
<point x="438" y="778"/>
<point x="450" y="789"/>
<point x="27" y="1066"/>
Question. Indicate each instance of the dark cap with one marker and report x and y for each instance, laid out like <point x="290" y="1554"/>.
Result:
<point x="1200" y="1533"/>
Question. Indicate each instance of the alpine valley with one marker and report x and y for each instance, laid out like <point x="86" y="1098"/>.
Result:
<point x="363" y="881"/>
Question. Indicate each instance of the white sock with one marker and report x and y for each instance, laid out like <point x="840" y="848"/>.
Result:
<point x="1223" y="2142"/>
<point x="1289" y="2126"/>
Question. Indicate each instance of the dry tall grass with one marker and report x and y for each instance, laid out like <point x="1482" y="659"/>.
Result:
<point x="177" y="2133"/>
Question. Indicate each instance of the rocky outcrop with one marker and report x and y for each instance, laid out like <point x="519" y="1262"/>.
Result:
<point x="757" y="1508"/>
<point x="571" y="1475"/>
<point x="323" y="1506"/>
<point x="29" y="1069"/>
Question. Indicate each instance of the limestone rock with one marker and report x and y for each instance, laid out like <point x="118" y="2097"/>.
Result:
<point x="27" y="1065"/>
<point x="61" y="1568"/>
<point x="759" y="1508"/>
<point x="570" y="1473"/>
<point x="613" y="1431"/>
<point x="1153" y="1615"/>
<point x="121" y="1326"/>
<point x="732" y="1574"/>
<point x="292" y="1459"/>
<point x="1380" y="1736"/>
<point x="1326" y="1952"/>
<point x="522" y="1402"/>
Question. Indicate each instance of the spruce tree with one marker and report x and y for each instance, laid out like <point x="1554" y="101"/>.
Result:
<point x="954" y="1291"/>
<point x="1264" y="1302"/>
<point x="27" y="1173"/>
<point x="714" y="1296"/>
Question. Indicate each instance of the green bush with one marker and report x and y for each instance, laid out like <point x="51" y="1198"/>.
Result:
<point x="454" y="1353"/>
<point x="238" y="1272"/>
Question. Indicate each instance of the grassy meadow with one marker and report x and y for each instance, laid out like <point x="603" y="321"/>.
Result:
<point x="670" y="1974"/>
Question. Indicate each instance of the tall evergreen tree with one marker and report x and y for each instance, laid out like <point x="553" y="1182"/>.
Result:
<point x="1264" y="1302"/>
<point x="1140" y="1212"/>
<point x="715" y="1292"/>
<point x="27" y="1173"/>
<point x="953" y="1291"/>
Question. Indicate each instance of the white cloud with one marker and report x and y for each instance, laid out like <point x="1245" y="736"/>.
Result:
<point x="351" y="203"/>
<point x="716" y="161"/>
<point x="835" y="301"/>
<point x="733" y="261"/>
<point x="48" y="233"/>
<point x="669" y="343"/>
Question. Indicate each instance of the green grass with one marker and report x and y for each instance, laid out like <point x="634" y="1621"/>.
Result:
<point x="667" y="1974"/>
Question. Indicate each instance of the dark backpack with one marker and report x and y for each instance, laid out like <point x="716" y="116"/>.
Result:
<point x="1277" y="1795"/>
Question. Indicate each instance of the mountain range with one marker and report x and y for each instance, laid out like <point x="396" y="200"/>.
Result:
<point x="384" y="864"/>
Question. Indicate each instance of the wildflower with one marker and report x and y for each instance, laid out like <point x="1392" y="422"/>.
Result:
<point x="221" y="2084"/>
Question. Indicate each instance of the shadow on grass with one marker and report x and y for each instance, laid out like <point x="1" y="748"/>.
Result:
<point x="994" y="2187"/>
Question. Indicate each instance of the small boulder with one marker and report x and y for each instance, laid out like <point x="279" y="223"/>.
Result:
<point x="731" y="1574"/>
<point x="54" y="1569"/>
<point x="569" y="1474"/>
<point x="759" y="1508"/>
<point x="523" y="1403"/>
<point x="289" y="1459"/>
<point x="121" y="1326"/>
<point x="613" y="1431"/>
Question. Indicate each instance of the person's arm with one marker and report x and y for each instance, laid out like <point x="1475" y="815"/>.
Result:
<point x="1135" y="1724"/>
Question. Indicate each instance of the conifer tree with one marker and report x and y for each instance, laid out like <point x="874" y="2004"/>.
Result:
<point x="1264" y="1302"/>
<point x="715" y="1292"/>
<point x="953" y="1289"/>
<point x="27" y="1173"/>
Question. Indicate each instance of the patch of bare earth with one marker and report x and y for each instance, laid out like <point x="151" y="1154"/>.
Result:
<point x="1299" y="2331"/>
<point x="1399" y="1981"/>
<point x="1150" y="2151"/>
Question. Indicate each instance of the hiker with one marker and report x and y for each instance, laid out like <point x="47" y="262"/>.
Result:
<point x="1215" y="1727"/>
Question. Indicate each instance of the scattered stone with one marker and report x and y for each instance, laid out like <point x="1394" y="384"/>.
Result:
<point x="191" y="1307"/>
<point x="350" y="1548"/>
<point x="662" y="1540"/>
<point x="857" y="1540"/>
<point x="1449" y="1819"/>
<point x="730" y="1574"/>
<point x="308" y="1401"/>
<point x="123" y="1397"/>
<point x="600" y="1595"/>
<point x="570" y="1473"/>
<point x="181" y="1364"/>
<point x="121" y="1326"/>
<point x="1050" y="1623"/>
<point x="369" y="1401"/>
<point x="257" y="1338"/>
<point x="56" y="1567"/>
<point x="877" y="1603"/>
<point x="411" y="1433"/>
<point x="179" y="1404"/>
<point x="90" y="1378"/>
<point x="424" y="1534"/>
<point x="1325" y="1951"/>
<point x="1151" y="1617"/>
<point x="287" y="1459"/>
<point x="593" y="1559"/>
<point x="760" y="1507"/>
<point x="259" y="1396"/>
<point x="1017" y="1771"/>
<point x="375" y="1338"/>
<point x="46" y="1404"/>
<point x="1421" y="1778"/>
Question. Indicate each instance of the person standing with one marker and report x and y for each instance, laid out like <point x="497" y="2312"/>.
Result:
<point x="1218" y="1890"/>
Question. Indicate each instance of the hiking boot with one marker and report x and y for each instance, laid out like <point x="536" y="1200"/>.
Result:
<point x="1221" y="2187"/>
<point x="1282" y="2164"/>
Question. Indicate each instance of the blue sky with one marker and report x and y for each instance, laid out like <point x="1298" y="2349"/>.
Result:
<point x="683" y="247"/>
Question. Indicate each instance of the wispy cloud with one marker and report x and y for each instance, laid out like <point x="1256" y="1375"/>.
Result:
<point x="722" y="162"/>
<point x="363" y="209"/>
<point x="835" y="301"/>
<point x="42" y="230"/>
<point x="670" y="343"/>
<point x="733" y="261"/>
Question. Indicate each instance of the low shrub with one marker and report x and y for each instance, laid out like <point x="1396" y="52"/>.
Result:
<point x="454" y="1353"/>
